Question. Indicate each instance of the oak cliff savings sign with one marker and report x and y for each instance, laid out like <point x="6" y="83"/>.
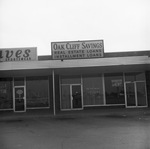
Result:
<point x="18" y="54"/>
<point x="77" y="49"/>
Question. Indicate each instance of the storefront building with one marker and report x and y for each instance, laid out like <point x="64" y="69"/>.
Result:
<point x="73" y="82"/>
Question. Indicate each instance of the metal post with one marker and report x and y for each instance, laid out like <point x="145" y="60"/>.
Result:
<point x="53" y="75"/>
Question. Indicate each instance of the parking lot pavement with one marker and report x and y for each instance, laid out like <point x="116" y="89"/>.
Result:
<point x="112" y="130"/>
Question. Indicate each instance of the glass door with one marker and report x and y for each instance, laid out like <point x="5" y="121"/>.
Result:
<point x="136" y="94"/>
<point x="65" y="97"/>
<point x="19" y="99"/>
<point x="130" y="95"/>
<point x="71" y="97"/>
<point x="141" y="94"/>
<point x="76" y="97"/>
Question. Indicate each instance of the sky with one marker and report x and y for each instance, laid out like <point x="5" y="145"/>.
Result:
<point x="124" y="25"/>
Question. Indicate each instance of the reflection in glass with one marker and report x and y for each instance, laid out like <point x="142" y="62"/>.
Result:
<point x="65" y="97"/>
<point x="70" y="79"/>
<point x="141" y="93"/>
<point x="37" y="91"/>
<point x="6" y="96"/>
<point x="19" y="81"/>
<point x="140" y="76"/>
<point x="93" y="90"/>
<point x="130" y="93"/>
<point x="136" y="76"/>
<point x="114" y="89"/>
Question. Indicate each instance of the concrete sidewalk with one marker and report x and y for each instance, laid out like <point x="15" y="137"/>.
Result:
<point x="120" y="112"/>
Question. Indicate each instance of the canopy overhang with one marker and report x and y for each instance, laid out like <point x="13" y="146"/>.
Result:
<point x="78" y="66"/>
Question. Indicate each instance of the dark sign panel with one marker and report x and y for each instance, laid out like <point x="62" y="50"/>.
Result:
<point x="18" y="54"/>
<point x="77" y="49"/>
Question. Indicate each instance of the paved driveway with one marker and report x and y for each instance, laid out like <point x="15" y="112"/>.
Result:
<point x="95" y="131"/>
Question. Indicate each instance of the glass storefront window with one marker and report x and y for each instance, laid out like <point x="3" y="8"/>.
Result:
<point x="70" y="79"/>
<point x="19" y="81"/>
<point x="6" y="95"/>
<point x="93" y="90"/>
<point x="37" y="92"/>
<point x="136" y="76"/>
<point x="141" y="93"/>
<point x="114" y="89"/>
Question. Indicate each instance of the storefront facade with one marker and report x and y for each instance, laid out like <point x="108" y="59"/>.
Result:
<point x="106" y="89"/>
<point x="116" y="79"/>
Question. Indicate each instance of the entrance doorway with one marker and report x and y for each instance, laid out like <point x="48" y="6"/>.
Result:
<point x="19" y="99"/>
<point x="71" y="97"/>
<point x="19" y="94"/>
<point x="76" y="97"/>
<point x="136" y="94"/>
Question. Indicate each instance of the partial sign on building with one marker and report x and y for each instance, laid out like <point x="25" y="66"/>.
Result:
<point x="77" y="49"/>
<point x="18" y="54"/>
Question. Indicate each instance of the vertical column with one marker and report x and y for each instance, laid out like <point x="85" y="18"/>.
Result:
<point x="104" y="96"/>
<point x="148" y="87"/>
<point x="54" y="109"/>
<point x="13" y="94"/>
